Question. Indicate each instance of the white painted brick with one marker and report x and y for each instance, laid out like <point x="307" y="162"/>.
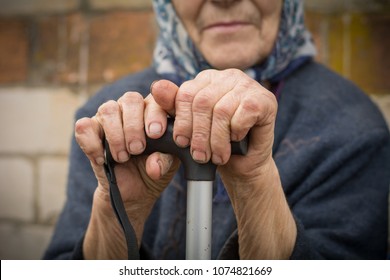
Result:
<point x="23" y="242"/>
<point x="32" y="7"/>
<point x="16" y="189"/>
<point x="38" y="120"/>
<point x="52" y="188"/>
<point x="131" y="4"/>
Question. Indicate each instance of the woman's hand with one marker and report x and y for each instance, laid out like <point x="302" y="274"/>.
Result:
<point x="218" y="107"/>
<point x="212" y="110"/>
<point x="141" y="179"/>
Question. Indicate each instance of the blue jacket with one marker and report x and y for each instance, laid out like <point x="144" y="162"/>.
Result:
<point x="332" y="150"/>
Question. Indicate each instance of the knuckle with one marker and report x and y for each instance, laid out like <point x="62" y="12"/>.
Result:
<point x="232" y="72"/>
<point x="131" y="97"/>
<point x="87" y="148"/>
<point x="186" y="85"/>
<point x="200" y="137"/>
<point x="273" y="103"/>
<point x="251" y="105"/>
<point x="203" y="101"/>
<point x="222" y="111"/>
<point x="182" y="126"/>
<point x="108" y="108"/>
<point x="233" y="75"/>
<point x="115" y="141"/>
<point x="185" y="98"/>
<point x="206" y="74"/>
<point x="247" y="84"/>
<point x="82" y="126"/>
<point x="133" y="125"/>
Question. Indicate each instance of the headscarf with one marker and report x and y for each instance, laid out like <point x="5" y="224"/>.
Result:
<point x="177" y="59"/>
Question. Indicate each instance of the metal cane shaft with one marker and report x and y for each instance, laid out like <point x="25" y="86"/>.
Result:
<point x="199" y="220"/>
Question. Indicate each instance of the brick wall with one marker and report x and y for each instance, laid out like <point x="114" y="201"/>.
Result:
<point x="56" y="53"/>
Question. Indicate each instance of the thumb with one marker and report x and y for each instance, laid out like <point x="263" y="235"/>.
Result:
<point x="158" y="165"/>
<point x="164" y="93"/>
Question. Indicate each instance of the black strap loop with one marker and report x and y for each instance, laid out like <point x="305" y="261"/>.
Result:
<point x="119" y="208"/>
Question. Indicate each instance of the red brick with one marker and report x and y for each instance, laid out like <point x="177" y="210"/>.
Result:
<point x="71" y="43"/>
<point x="57" y="47"/>
<point x="120" y="43"/>
<point x="34" y="7"/>
<point x="120" y="4"/>
<point x="45" y="52"/>
<point x="14" y="46"/>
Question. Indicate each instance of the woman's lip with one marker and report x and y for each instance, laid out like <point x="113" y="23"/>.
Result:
<point x="226" y="25"/>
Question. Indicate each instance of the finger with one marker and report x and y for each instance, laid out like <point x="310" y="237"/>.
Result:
<point x="158" y="165"/>
<point x="216" y="85"/>
<point x="202" y="108"/>
<point x="88" y="134"/>
<point x="164" y="93"/>
<point x="109" y="116"/>
<point x="256" y="108"/>
<point x="132" y="107"/>
<point x="183" y="126"/>
<point x="220" y="137"/>
<point x="176" y="102"/>
<point x="155" y="118"/>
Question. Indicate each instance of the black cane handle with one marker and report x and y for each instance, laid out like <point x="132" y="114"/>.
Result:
<point x="194" y="171"/>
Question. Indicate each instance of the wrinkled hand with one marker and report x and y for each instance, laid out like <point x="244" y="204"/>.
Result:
<point x="210" y="111"/>
<point x="218" y="107"/>
<point x="122" y="124"/>
<point x="140" y="179"/>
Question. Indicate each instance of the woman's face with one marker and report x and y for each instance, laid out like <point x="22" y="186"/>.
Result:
<point x="231" y="33"/>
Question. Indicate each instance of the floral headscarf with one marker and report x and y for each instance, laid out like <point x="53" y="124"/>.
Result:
<point x="177" y="59"/>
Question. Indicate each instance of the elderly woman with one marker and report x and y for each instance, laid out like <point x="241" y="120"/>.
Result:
<point x="314" y="183"/>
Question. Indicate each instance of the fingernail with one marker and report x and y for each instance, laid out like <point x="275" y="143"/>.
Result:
<point x="155" y="128"/>
<point x="182" y="141"/>
<point x="217" y="160"/>
<point x="136" y="147"/>
<point x="123" y="156"/>
<point x="99" y="160"/>
<point x="160" y="164"/>
<point x="199" y="156"/>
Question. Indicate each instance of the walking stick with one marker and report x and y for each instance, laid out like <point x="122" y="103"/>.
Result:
<point x="199" y="178"/>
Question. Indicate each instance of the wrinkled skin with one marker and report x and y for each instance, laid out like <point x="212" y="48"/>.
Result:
<point x="210" y="111"/>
